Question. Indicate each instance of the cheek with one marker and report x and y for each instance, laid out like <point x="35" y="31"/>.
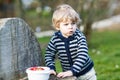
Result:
<point x="75" y="28"/>
<point x="63" y="29"/>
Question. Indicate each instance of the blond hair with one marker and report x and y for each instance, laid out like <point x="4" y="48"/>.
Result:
<point x="63" y="13"/>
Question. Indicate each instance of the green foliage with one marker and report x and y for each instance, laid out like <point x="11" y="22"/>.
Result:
<point x="42" y="19"/>
<point x="104" y="49"/>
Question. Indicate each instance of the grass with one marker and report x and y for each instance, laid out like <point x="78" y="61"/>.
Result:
<point x="104" y="49"/>
<point x="105" y="53"/>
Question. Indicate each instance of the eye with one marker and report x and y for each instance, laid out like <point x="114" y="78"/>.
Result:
<point x="73" y="23"/>
<point x="66" y="24"/>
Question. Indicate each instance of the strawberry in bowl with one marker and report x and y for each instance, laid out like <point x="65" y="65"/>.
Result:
<point x="38" y="73"/>
<point x="37" y="68"/>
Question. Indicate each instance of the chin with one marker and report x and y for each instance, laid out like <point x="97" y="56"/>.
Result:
<point x="70" y="34"/>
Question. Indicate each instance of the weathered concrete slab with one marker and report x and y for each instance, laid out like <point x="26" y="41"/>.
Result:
<point x="19" y="49"/>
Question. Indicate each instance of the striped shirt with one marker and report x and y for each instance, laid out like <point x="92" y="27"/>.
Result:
<point x="72" y="53"/>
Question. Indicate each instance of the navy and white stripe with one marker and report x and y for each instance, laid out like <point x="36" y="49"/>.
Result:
<point x="72" y="52"/>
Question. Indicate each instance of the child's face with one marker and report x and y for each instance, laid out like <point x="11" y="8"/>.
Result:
<point x="67" y="28"/>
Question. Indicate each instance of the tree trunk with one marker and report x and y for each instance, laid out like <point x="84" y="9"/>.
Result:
<point x="88" y="31"/>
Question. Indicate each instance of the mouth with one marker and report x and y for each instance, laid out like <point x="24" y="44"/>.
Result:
<point x="71" y="32"/>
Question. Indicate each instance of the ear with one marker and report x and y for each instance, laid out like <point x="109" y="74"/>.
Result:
<point x="57" y="28"/>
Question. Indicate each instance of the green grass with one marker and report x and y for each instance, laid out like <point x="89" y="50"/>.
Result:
<point x="104" y="49"/>
<point x="105" y="52"/>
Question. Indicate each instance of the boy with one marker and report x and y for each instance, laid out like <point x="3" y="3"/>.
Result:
<point x="70" y="45"/>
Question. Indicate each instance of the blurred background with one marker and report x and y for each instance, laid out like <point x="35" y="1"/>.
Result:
<point x="100" y="24"/>
<point x="38" y="13"/>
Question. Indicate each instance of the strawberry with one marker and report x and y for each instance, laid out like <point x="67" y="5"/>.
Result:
<point x="33" y="68"/>
<point x="36" y="68"/>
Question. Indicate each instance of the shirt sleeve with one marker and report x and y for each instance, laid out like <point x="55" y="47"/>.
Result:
<point x="50" y="55"/>
<point x="82" y="56"/>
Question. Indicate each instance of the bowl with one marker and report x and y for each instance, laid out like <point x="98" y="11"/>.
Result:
<point x="38" y="73"/>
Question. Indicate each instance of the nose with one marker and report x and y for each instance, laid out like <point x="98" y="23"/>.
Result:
<point x="70" y="26"/>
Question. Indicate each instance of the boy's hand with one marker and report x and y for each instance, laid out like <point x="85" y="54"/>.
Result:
<point x="65" y="74"/>
<point x="52" y="72"/>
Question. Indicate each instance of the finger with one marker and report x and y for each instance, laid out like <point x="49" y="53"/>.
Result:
<point x="64" y="75"/>
<point x="60" y="75"/>
<point x="53" y="72"/>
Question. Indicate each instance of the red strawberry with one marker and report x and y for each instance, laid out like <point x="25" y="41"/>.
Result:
<point x="36" y="68"/>
<point x="33" y="68"/>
